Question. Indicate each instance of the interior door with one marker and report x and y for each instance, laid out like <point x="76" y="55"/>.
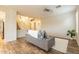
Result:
<point x="1" y="29"/>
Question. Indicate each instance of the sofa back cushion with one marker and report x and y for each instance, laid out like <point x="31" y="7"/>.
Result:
<point x="42" y="35"/>
<point x="33" y="33"/>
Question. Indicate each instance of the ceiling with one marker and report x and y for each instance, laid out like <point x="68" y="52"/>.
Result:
<point x="38" y="10"/>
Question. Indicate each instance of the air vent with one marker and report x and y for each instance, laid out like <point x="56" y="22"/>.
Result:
<point x="46" y="10"/>
<point x="58" y="6"/>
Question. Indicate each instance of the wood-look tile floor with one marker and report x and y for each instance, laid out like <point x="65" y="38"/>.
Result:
<point x="21" y="46"/>
<point x="73" y="47"/>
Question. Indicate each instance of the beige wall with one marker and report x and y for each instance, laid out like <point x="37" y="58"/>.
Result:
<point x="57" y="25"/>
<point x="1" y="26"/>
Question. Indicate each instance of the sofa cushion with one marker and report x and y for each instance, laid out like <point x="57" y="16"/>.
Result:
<point x="33" y="33"/>
<point x="42" y="35"/>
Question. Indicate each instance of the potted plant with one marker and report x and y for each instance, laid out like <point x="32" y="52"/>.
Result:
<point x="71" y="33"/>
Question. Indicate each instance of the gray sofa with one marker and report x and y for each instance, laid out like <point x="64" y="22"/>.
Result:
<point x="44" y="44"/>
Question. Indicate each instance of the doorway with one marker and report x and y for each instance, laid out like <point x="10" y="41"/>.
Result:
<point x="2" y="18"/>
<point x="1" y="29"/>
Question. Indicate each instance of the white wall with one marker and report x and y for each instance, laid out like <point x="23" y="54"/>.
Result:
<point x="10" y="25"/>
<point x="77" y="25"/>
<point x="21" y="33"/>
<point x="57" y="25"/>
